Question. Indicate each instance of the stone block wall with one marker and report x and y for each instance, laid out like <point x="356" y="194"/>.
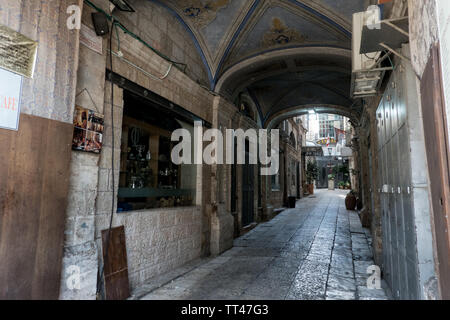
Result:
<point x="51" y="92"/>
<point x="157" y="240"/>
<point x="423" y="32"/>
<point x="155" y="25"/>
<point x="276" y="199"/>
<point x="80" y="248"/>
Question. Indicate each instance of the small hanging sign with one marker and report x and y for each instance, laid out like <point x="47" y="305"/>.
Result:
<point x="327" y="142"/>
<point x="88" y="130"/>
<point x="10" y="90"/>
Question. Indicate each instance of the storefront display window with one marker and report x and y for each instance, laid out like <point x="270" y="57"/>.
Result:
<point x="148" y="177"/>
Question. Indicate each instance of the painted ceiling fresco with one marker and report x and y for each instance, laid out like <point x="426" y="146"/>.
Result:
<point x="280" y="27"/>
<point x="228" y="33"/>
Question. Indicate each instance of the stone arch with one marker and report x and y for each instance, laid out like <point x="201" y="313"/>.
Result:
<point x="246" y="71"/>
<point x="273" y="120"/>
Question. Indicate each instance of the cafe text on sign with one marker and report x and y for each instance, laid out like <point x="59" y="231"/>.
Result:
<point x="10" y="89"/>
<point x="8" y="103"/>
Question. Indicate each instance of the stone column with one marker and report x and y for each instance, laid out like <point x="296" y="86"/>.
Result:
<point x="222" y="222"/>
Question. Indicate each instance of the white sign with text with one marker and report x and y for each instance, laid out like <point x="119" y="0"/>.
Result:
<point x="10" y="89"/>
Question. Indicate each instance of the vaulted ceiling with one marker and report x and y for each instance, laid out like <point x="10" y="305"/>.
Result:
<point x="288" y="55"/>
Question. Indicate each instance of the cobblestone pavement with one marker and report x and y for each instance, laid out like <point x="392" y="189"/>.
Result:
<point x="314" y="252"/>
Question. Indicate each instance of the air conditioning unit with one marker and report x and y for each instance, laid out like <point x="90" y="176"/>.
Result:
<point x="361" y="62"/>
<point x="366" y="77"/>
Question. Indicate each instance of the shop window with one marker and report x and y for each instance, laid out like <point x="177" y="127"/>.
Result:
<point x="327" y="129"/>
<point x="148" y="177"/>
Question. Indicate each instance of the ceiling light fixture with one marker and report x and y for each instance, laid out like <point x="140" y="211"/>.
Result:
<point x="122" y="5"/>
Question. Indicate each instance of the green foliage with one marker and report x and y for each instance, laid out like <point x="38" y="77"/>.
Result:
<point x="312" y="172"/>
<point x="335" y="170"/>
<point x="344" y="170"/>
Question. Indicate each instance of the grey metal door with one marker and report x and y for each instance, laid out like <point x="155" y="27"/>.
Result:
<point x="399" y="244"/>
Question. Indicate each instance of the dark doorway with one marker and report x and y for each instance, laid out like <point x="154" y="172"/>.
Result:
<point x="323" y="178"/>
<point x="248" y="187"/>
<point x="233" y="183"/>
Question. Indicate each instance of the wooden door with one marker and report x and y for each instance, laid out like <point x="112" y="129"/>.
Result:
<point x="34" y="182"/>
<point x="115" y="264"/>
<point x="436" y="140"/>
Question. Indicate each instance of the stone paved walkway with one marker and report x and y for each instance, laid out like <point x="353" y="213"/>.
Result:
<point x="316" y="251"/>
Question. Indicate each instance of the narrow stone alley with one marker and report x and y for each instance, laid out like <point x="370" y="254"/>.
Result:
<point x="150" y="150"/>
<point x="317" y="251"/>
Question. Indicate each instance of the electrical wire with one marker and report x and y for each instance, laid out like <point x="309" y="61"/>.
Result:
<point x="119" y="55"/>
<point x="118" y="39"/>
<point x="142" y="70"/>
<point x="124" y="29"/>
<point x="390" y="60"/>
<point x="100" y="277"/>
<point x="90" y="96"/>
<point x="370" y="58"/>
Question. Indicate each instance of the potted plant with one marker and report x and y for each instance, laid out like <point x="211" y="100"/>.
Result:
<point x="359" y="203"/>
<point x="331" y="178"/>
<point x="312" y="173"/>
<point x="341" y="185"/>
<point x="350" y="201"/>
<point x="348" y="186"/>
